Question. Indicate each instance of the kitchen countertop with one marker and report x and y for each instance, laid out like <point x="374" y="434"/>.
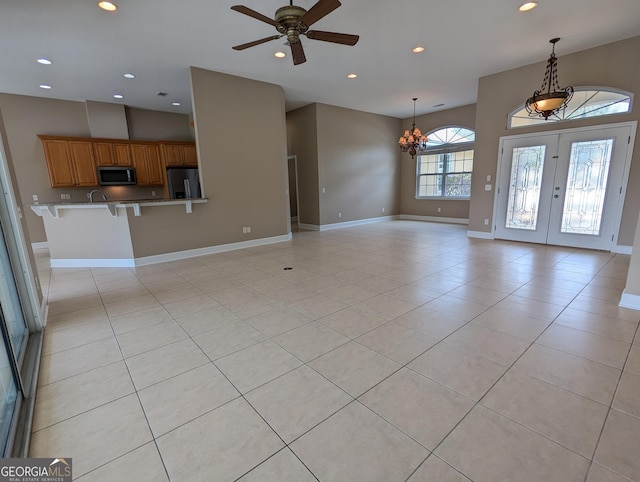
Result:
<point x="136" y="204"/>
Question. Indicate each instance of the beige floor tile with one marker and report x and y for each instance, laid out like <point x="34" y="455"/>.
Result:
<point x="633" y="360"/>
<point x="354" y="367"/>
<point x="618" y="446"/>
<point x="421" y="408"/>
<point x="281" y="467"/>
<point x="318" y="306"/>
<point x="69" y="397"/>
<point x="434" y="324"/>
<point x="435" y="470"/>
<point x="572" y="421"/>
<point x="138" y="303"/>
<point x="521" y="326"/>
<point x="607" y="308"/>
<point x="107" y="285"/>
<point x="489" y="447"/>
<point x="95" y="437"/>
<point x="477" y="294"/>
<point x="620" y="330"/>
<point x="204" y="321"/>
<point x="70" y="303"/>
<point x="254" y="366"/>
<point x="627" y="397"/>
<point x="576" y="374"/>
<point x="379" y="283"/>
<point x="221" y="445"/>
<point x="276" y="322"/>
<point x="95" y="314"/>
<point x="350" y="294"/>
<point x="162" y="363"/>
<point x="528" y="307"/>
<point x="139" y="320"/>
<point x="139" y="341"/>
<point x="352" y="322"/>
<point x="71" y="337"/>
<point x="356" y="444"/>
<point x="124" y="293"/>
<point x="546" y="293"/>
<point x="180" y="399"/>
<point x="494" y="345"/>
<point x="257" y="305"/>
<point x="74" y="361"/>
<point x="228" y="339"/>
<point x="189" y="306"/>
<point x="413" y="294"/>
<point x="397" y="342"/>
<point x="142" y="465"/>
<point x="457" y="367"/>
<point x="385" y="306"/>
<point x="593" y="347"/>
<point x="310" y="341"/>
<point x="456" y="307"/>
<point x="597" y="473"/>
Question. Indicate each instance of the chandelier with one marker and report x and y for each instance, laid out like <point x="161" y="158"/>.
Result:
<point x="544" y="102"/>
<point x="413" y="141"/>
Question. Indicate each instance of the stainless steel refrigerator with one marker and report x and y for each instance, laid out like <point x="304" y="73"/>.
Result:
<point x="184" y="183"/>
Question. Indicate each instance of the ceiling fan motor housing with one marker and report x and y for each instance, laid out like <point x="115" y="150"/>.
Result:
<point x="289" y="19"/>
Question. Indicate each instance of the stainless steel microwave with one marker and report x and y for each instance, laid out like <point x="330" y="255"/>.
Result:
<point x="116" y="176"/>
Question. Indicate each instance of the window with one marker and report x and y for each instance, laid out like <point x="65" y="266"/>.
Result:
<point x="445" y="168"/>
<point x="586" y="102"/>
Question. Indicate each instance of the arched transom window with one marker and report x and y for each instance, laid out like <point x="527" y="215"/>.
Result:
<point x="586" y="102"/>
<point x="444" y="169"/>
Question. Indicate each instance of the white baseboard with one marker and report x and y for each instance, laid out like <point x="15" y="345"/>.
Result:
<point x="357" y="222"/>
<point x="294" y="219"/>
<point x="40" y="245"/>
<point x="433" y="219"/>
<point x="479" y="235"/>
<point x="192" y="253"/>
<point x="309" y="227"/>
<point x="93" y="263"/>
<point x="622" y="249"/>
<point x="627" y="300"/>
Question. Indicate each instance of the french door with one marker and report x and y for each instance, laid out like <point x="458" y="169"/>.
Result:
<point x="563" y="188"/>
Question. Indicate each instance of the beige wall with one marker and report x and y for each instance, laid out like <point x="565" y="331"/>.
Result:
<point x="613" y="65"/>
<point x="302" y="142"/>
<point x="347" y="153"/>
<point x="246" y="184"/>
<point x="25" y="117"/>
<point x="461" y="116"/>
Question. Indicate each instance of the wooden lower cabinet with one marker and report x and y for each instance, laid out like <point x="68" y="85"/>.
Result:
<point x="148" y="164"/>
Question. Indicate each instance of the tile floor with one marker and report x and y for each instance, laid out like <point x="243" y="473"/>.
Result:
<point x="390" y="352"/>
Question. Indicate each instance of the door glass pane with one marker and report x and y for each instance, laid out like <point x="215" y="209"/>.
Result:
<point x="586" y="187"/>
<point x="524" y="188"/>
<point x="8" y="394"/>
<point x="10" y="302"/>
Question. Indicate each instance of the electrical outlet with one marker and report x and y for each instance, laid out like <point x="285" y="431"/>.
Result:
<point x="153" y="194"/>
<point x="439" y="209"/>
<point x="248" y="229"/>
<point x="339" y="215"/>
<point x="382" y="209"/>
<point x="487" y="187"/>
<point x="35" y="197"/>
<point x="65" y="196"/>
<point x="486" y="222"/>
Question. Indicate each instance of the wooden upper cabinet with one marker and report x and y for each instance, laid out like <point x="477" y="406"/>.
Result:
<point x="179" y="154"/>
<point x="70" y="162"/>
<point x="109" y="153"/>
<point x="148" y="164"/>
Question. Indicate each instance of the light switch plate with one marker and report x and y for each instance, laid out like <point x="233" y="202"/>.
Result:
<point x="487" y="187"/>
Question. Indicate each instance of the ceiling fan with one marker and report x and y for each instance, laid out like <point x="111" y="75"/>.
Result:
<point x="292" y="21"/>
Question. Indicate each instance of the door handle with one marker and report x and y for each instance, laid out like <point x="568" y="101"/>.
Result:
<point x="555" y="195"/>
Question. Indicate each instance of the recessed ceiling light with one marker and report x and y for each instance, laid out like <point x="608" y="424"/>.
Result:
<point x="129" y="76"/>
<point x="280" y="55"/>
<point x="45" y="86"/>
<point x="417" y="50"/>
<point x="352" y="76"/>
<point x="44" y="61"/>
<point x="118" y="96"/>
<point x="108" y="6"/>
<point x="525" y="7"/>
<point x="175" y="103"/>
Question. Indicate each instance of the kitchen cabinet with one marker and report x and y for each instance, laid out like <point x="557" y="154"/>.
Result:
<point x="70" y="162"/>
<point x="177" y="154"/>
<point x="111" y="153"/>
<point x="148" y="164"/>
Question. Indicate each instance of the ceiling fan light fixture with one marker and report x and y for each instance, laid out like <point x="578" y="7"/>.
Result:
<point x="525" y="7"/>
<point x="546" y="102"/>
<point x="413" y="140"/>
<point x="417" y="50"/>
<point x="352" y="76"/>
<point x="280" y="55"/>
<point x="108" y="6"/>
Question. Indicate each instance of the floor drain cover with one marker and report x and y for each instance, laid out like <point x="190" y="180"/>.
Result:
<point x="288" y="268"/>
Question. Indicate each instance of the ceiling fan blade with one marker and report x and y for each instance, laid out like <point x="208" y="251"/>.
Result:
<point x="297" y="52"/>
<point x="318" y="11"/>
<point x="254" y="14"/>
<point x="256" y="42"/>
<point x="336" y="38"/>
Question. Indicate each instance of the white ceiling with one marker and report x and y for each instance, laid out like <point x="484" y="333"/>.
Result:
<point x="158" y="40"/>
